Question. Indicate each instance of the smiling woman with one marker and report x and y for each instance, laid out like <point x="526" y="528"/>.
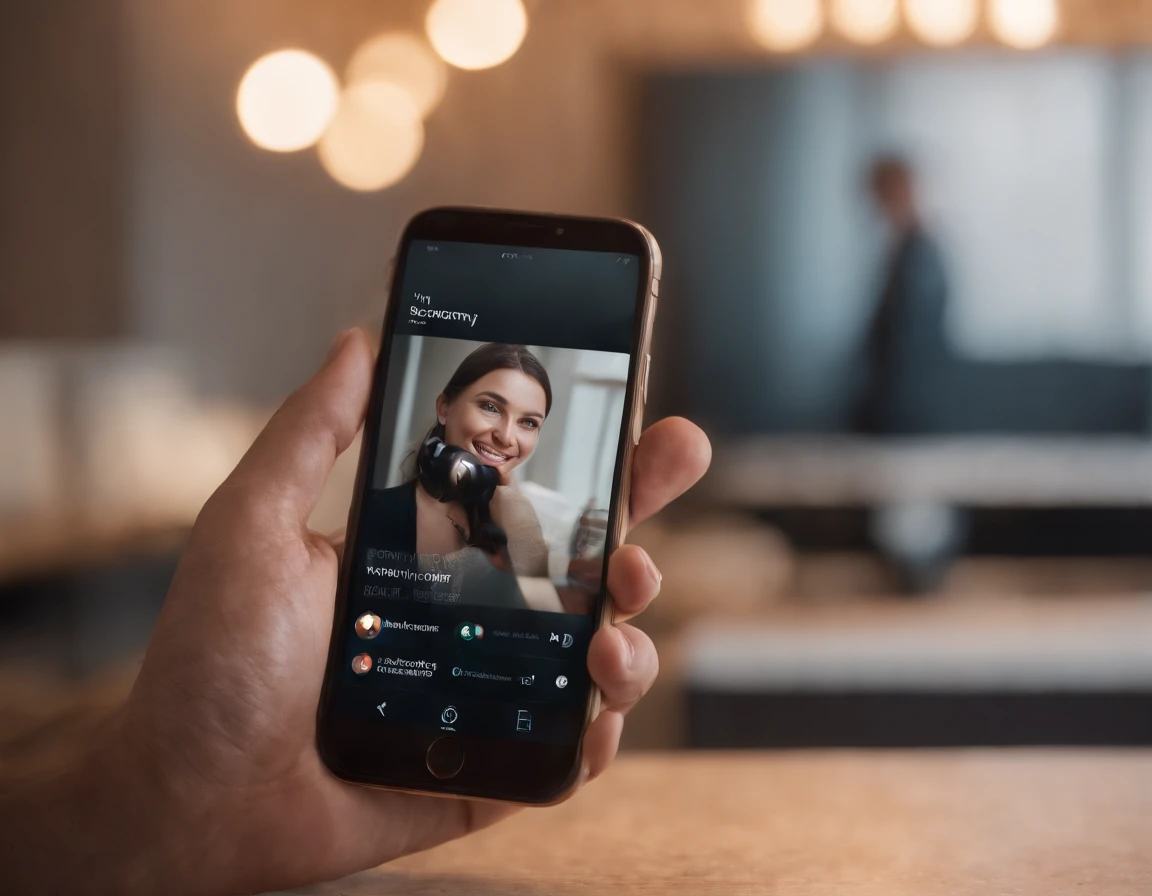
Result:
<point x="457" y="508"/>
<point x="493" y="408"/>
<point x="494" y="471"/>
<point x="473" y="410"/>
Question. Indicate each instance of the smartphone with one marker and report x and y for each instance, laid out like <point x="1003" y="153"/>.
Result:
<point x="492" y="488"/>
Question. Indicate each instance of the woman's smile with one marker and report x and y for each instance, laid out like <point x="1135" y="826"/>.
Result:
<point x="490" y="455"/>
<point x="497" y="417"/>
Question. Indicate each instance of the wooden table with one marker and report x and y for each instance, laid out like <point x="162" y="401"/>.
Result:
<point x="882" y="824"/>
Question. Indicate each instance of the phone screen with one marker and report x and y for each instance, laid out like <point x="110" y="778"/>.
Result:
<point x="493" y="451"/>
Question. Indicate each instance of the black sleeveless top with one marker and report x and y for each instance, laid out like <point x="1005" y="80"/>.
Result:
<point x="389" y="518"/>
<point x="389" y="523"/>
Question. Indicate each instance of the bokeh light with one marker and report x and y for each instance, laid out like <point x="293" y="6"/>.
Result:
<point x="375" y="138"/>
<point x="942" y="23"/>
<point x="474" y="34"/>
<point x="785" y="25"/>
<point x="405" y="60"/>
<point x="286" y="99"/>
<point x="866" y="21"/>
<point x="1024" y="24"/>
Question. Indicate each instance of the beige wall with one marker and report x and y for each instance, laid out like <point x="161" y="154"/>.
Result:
<point x="250" y="260"/>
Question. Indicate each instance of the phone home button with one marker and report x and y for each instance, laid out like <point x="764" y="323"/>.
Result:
<point x="445" y="757"/>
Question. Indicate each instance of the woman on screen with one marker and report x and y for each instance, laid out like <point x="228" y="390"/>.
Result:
<point x="457" y="510"/>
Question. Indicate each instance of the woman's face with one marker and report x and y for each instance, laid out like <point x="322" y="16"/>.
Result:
<point x="497" y="418"/>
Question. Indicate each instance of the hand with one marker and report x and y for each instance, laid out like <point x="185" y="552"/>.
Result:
<point x="209" y="781"/>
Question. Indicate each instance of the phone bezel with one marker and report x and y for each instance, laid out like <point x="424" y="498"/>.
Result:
<point x="503" y="769"/>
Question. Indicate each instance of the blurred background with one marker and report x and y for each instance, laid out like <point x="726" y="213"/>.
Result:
<point x="907" y="292"/>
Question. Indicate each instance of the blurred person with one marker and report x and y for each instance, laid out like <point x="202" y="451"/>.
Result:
<point x="904" y="342"/>
<point x="207" y="779"/>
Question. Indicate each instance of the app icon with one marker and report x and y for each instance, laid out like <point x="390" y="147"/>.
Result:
<point x="362" y="664"/>
<point x="561" y="681"/>
<point x="457" y="671"/>
<point x="470" y="630"/>
<point x="449" y="715"/>
<point x="523" y="720"/>
<point x="555" y="639"/>
<point x="567" y="641"/>
<point x="527" y="680"/>
<point x="368" y="625"/>
<point x="380" y="707"/>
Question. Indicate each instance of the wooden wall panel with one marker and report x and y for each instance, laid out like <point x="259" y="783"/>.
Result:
<point x="63" y="158"/>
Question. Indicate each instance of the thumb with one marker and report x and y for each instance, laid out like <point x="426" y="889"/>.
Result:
<point x="281" y="476"/>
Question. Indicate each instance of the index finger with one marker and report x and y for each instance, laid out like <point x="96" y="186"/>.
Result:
<point x="672" y="456"/>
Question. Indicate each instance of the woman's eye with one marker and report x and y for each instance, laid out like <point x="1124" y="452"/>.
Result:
<point x="489" y="407"/>
<point x="530" y="423"/>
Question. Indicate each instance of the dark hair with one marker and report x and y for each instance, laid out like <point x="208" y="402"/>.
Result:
<point x="482" y="531"/>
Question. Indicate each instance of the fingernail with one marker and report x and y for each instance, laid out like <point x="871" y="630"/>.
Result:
<point x="337" y="344"/>
<point x="653" y="572"/>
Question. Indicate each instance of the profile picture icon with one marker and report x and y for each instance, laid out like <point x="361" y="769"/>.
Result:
<point x="362" y="664"/>
<point x="471" y="630"/>
<point x="367" y="625"/>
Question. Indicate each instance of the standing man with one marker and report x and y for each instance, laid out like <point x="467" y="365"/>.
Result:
<point x="904" y="348"/>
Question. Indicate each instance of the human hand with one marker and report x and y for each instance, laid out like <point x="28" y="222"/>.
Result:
<point x="210" y="773"/>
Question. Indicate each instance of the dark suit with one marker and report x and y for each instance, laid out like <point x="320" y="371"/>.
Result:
<point x="905" y="349"/>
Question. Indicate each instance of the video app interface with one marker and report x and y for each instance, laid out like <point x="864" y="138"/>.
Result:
<point x="480" y="553"/>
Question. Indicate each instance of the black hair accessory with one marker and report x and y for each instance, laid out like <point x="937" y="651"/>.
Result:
<point x="449" y="474"/>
